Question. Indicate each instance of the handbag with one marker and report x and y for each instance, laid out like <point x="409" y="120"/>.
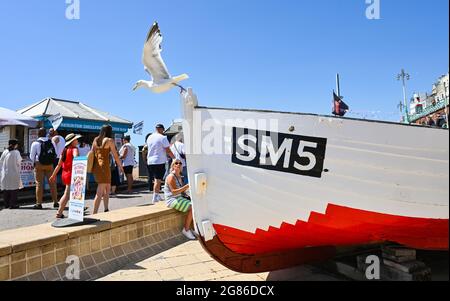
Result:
<point x="90" y="161"/>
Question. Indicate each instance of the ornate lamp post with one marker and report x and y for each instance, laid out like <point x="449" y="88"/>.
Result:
<point x="403" y="76"/>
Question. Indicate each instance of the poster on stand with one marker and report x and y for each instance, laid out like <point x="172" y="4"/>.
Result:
<point x="27" y="173"/>
<point x="78" y="189"/>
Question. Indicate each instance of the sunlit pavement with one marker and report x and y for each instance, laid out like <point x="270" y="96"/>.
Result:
<point x="189" y="262"/>
<point x="26" y="216"/>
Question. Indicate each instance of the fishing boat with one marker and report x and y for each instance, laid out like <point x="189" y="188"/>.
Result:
<point x="275" y="189"/>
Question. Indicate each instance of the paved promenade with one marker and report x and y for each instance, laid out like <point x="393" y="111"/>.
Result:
<point x="26" y="216"/>
<point x="189" y="262"/>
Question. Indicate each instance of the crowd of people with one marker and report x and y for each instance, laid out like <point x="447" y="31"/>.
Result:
<point x="436" y="120"/>
<point x="52" y="155"/>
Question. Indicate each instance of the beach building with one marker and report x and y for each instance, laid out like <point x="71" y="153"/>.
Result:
<point x="76" y="117"/>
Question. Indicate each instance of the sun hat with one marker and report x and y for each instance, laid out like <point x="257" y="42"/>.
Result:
<point x="71" y="137"/>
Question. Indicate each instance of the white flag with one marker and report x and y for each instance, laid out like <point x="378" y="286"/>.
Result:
<point x="56" y="120"/>
<point x="138" y="128"/>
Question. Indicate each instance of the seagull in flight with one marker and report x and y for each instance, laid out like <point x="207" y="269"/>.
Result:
<point x="162" y="81"/>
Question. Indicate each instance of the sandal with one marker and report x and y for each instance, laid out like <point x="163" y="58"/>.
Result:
<point x="60" y="216"/>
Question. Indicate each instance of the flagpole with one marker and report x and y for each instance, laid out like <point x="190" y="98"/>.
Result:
<point x="338" y="86"/>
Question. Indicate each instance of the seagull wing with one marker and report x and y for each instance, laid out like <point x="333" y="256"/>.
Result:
<point x="151" y="57"/>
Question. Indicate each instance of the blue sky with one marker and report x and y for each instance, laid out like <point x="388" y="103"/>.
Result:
<point x="262" y="54"/>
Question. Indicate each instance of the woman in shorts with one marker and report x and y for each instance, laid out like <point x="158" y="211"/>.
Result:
<point x="176" y="196"/>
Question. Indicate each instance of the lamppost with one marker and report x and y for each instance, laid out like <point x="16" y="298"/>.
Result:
<point x="400" y="106"/>
<point x="403" y="76"/>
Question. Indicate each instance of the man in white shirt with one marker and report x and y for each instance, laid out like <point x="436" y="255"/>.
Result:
<point x="127" y="153"/>
<point x="83" y="147"/>
<point x="59" y="142"/>
<point x="158" y="149"/>
<point x="179" y="152"/>
<point x="43" y="167"/>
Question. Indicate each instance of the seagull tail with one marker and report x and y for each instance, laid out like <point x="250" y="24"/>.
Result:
<point x="179" y="78"/>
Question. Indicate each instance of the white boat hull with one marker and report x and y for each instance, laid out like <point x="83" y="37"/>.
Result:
<point x="395" y="174"/>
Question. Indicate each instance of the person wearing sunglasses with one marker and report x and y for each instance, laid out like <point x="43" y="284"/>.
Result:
<point x="176" y="196"/>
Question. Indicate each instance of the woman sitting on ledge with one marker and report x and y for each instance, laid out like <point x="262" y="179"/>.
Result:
<point x="176" y="197"/>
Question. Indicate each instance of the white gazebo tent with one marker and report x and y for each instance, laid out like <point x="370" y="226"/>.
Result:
<point x="9" y="117"/>
<point x="14" y="125"/>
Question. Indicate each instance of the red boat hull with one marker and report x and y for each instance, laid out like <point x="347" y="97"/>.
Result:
<point x="339" y="227"/>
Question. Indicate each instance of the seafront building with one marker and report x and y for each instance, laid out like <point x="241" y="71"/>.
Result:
<point x="434" y="104"/>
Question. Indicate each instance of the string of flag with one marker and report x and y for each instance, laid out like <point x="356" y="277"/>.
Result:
<point x="138" y="128"/>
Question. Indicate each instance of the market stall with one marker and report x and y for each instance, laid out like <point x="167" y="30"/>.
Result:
<point x="76" y="117"/>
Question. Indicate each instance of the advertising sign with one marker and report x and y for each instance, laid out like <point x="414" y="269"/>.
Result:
<point x="32" y="137"/>
<point x="27" y="173"/>
<point x="78" y="189"/>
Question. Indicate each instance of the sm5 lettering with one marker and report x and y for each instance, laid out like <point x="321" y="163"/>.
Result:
<point x="302" y="155"/>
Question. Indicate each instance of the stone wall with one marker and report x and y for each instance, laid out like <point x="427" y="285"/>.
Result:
<point x="120" y="237"/>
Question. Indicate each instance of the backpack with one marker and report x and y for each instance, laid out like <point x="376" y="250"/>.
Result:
<point x="48" y="153"/>
<point x="183" y="156"/>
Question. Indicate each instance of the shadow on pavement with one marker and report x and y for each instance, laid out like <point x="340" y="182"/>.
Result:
<point x="127" y="196"/>
<point x="145" y="205"/>
<point x="31" y="208"/>
<point x="303" y="273"/>
<point x="133" y="266"/>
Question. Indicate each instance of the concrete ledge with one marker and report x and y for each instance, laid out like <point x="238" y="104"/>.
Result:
<point x="120" y="237"/>
<point x="96" y="227"/>
<point x="5" y="249"/>
<point x="31" y="237"/>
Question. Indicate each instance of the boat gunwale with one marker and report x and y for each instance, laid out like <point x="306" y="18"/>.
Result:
<point x="323" y="116"/>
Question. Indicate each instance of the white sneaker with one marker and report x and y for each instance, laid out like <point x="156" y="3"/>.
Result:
<point x="188" y="234"/>
<point x="156" y="198"/>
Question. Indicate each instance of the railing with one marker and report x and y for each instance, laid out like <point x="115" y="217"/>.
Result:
<point x="428" y="110"/>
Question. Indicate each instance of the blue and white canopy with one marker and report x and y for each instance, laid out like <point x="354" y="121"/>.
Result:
<point x="9" y="117"/>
